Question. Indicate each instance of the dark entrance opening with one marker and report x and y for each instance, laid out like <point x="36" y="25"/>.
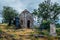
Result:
<point x="28" y="24"/>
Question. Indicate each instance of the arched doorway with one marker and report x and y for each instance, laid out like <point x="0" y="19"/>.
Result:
<point x="28" y="24"/>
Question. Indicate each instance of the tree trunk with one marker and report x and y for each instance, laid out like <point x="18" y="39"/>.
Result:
<point x="9" y="24"/>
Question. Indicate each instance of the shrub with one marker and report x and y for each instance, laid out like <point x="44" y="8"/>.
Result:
<point x="45" y="25"/>
<point x="58" y="31"/>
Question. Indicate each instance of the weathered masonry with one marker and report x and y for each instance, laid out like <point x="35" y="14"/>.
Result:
<point x="26" y="19"/>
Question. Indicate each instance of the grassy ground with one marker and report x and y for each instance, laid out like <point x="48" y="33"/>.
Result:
<point x="10" y="33"/>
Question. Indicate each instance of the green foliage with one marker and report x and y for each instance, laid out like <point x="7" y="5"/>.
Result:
<point x="45" y="25"/>
<point x="44" y="33"/>
<point x="58" y="32"/>
<point x="44" y="10"/>
<point x="35" y="12"/>
<point x="57" y="25"/>
<point x="46" y="22"/>
<point x="9" y="13"/>
<point x="35" y="27"/>
<point x="49" y="14"/>
<point x="47" y="11"/>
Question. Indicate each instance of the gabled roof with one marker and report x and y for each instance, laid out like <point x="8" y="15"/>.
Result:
<point x="25" y="11"/>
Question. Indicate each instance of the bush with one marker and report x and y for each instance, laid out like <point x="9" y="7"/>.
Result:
<point x="58" y="31"/>
<point x="45" y="25"/>
<point x="57" y="25"/>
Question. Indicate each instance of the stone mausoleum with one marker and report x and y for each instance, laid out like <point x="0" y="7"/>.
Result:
<point x="26" y="19"/>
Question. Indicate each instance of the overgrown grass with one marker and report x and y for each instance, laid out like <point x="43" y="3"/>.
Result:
<point x="0" y="30"/>
<point x="37" y="31"/>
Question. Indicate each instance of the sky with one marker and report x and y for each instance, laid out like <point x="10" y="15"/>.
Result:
<point x="20" y="5"/>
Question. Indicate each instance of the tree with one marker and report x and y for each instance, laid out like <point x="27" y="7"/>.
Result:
<point x="8" y="14"/>
<point x="42" y="11"/>
<point x="47" y="12"/>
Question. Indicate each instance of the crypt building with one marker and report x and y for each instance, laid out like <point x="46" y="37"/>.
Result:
<point x="26" y="19"/>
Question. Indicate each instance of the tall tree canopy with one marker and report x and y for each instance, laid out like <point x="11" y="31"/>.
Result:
<point x="8" y="14"/>
<point x="48" y="12"/>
